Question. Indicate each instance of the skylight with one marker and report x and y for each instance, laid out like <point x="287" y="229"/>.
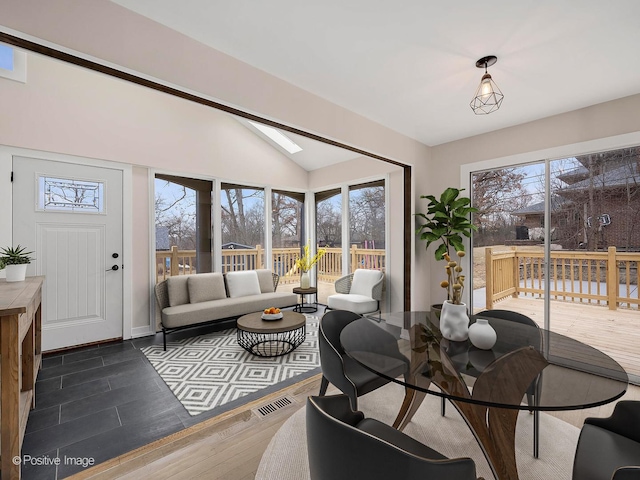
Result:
<point x="6" y="57"/>
<point x="13" y="63"/>
<point x="281" y="139"/>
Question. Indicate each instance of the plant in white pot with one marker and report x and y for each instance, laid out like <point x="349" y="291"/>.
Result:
<point x="446" y="221"/>
<point x="15" y="261"/>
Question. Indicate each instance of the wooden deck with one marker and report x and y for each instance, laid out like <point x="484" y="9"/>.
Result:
<point x="615" y="332"/>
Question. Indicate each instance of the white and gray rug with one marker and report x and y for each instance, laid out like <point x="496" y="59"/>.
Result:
<point x="286" y="455"/>
<point x="208" y="371"/>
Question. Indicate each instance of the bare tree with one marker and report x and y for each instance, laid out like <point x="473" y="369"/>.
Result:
<point x="367" y="215"/>
<point x="286" y="223"/>
<point x="175" y="210"/>
<point x="497" y="193"/>
<point x="328" y="223"/>
<point x="243" y="216"/>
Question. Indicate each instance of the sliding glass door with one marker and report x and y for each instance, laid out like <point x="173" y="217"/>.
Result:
<point x="559" y="241"/>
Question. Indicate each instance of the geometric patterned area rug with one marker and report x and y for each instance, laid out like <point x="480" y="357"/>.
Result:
<point x="208" y="371"/>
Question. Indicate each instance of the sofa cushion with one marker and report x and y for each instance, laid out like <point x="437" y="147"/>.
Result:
<point x="194" y="313"/>
<point x="242" y="284"/>
<point x="364" y="280"/>
<point x="265" y="279"/>
<point x="178" y="290"/>
<point x="206" y="286"/>
<point x="354" y="303"/>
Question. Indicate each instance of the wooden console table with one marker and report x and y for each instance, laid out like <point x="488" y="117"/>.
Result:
<point x="20" y="353"/>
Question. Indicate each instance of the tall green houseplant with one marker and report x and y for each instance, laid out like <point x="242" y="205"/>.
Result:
<point x="446" y="221"/>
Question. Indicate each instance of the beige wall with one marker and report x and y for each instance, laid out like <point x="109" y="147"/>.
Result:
<point x="71" y="110"/>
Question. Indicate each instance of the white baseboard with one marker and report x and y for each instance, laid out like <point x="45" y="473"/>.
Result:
<point x="145" y="331"/>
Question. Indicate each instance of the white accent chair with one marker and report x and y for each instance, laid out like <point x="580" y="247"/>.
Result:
<point x="359" y="292"/>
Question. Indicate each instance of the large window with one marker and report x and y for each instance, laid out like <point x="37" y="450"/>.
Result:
<point x="183" y="226"/>
<point x="367" y="226"/>
<point x="363" y="245"/>
<point x="329" y="236"/>
<point x="288" y="234"/>
<point x="243" y="226"/>
<point x="559" y="241"/>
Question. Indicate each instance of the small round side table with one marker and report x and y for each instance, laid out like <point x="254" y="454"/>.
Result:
<point x="306" y="307"/>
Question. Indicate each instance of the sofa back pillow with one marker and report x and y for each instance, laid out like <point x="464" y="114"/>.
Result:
<point x="265" y="279"/>
<point x="242" y="284"/>
<point x="204" y="287"/>
<point x="178" y="290"/>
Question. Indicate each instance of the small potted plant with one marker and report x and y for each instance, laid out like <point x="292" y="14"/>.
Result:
<point x="15" y="261"/>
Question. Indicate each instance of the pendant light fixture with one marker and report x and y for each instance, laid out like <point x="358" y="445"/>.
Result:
<point x="488" y="97"/>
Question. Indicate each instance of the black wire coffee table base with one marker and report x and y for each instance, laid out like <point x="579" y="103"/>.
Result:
<point x="271" y="344"/>
<point x="271" y="338"/>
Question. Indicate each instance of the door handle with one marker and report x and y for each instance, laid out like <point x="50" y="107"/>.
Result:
<point x="114" y="268"/>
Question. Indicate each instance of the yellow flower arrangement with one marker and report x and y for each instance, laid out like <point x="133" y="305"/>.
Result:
<point x="306" y="262"/>
<point x="455" y="280"/>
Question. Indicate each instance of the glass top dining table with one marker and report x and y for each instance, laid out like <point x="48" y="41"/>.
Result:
<point x="487" y="387"/>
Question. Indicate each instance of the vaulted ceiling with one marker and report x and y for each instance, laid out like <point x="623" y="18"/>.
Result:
<point x="410" y="65"/>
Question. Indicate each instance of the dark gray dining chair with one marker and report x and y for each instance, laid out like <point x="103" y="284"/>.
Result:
<point x="609" y="448"/>
<point x="344" y="445"/>
<point x="343" y="371"/>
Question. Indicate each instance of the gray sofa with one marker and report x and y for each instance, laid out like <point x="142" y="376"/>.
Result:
<point x="189" y="300"/>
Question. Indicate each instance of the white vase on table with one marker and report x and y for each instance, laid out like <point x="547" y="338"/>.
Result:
<point x="454" y="321"/>
<point x="482" y="335"/>
<point x="305" y="281"/>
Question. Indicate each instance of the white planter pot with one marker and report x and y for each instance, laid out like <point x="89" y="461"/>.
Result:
<point x="482" y="335"/>
<point x="454" y="322"/>
<point x="16" y="273"/>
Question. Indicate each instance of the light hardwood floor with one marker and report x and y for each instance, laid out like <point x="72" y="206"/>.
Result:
<point x="614" y="332"/>
<point x="229" y="447"/>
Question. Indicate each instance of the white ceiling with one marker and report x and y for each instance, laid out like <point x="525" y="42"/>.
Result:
<point x="410" y="64"/>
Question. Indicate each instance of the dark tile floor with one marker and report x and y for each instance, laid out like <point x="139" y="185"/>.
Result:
<point x="98" y="402"/>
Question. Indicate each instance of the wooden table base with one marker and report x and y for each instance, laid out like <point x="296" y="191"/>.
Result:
<point x="494" y="428"/>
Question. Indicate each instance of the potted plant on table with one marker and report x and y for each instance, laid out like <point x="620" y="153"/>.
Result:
<point x="306" y="263"/>
<point x="446" y="221"/>
<point x="15" y="261"/>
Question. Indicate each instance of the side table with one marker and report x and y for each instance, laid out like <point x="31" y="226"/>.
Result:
<point x="303" y="307"/>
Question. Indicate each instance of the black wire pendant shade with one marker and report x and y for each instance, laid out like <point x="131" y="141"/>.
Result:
<point x="488" y="96"/>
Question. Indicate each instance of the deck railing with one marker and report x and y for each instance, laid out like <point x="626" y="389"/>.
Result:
<point x="183" y="262"/>
<point x="602" y="278"/>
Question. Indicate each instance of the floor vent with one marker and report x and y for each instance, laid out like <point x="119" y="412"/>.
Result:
<point x="273" y="406"/>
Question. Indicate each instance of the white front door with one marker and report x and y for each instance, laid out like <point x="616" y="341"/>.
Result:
<point x="70" y="215"/>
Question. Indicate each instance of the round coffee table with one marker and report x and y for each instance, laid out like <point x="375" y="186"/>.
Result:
<point x="271" y="338"/>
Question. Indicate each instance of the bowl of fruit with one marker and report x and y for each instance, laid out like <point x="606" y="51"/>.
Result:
<point x="272" y="313"/>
